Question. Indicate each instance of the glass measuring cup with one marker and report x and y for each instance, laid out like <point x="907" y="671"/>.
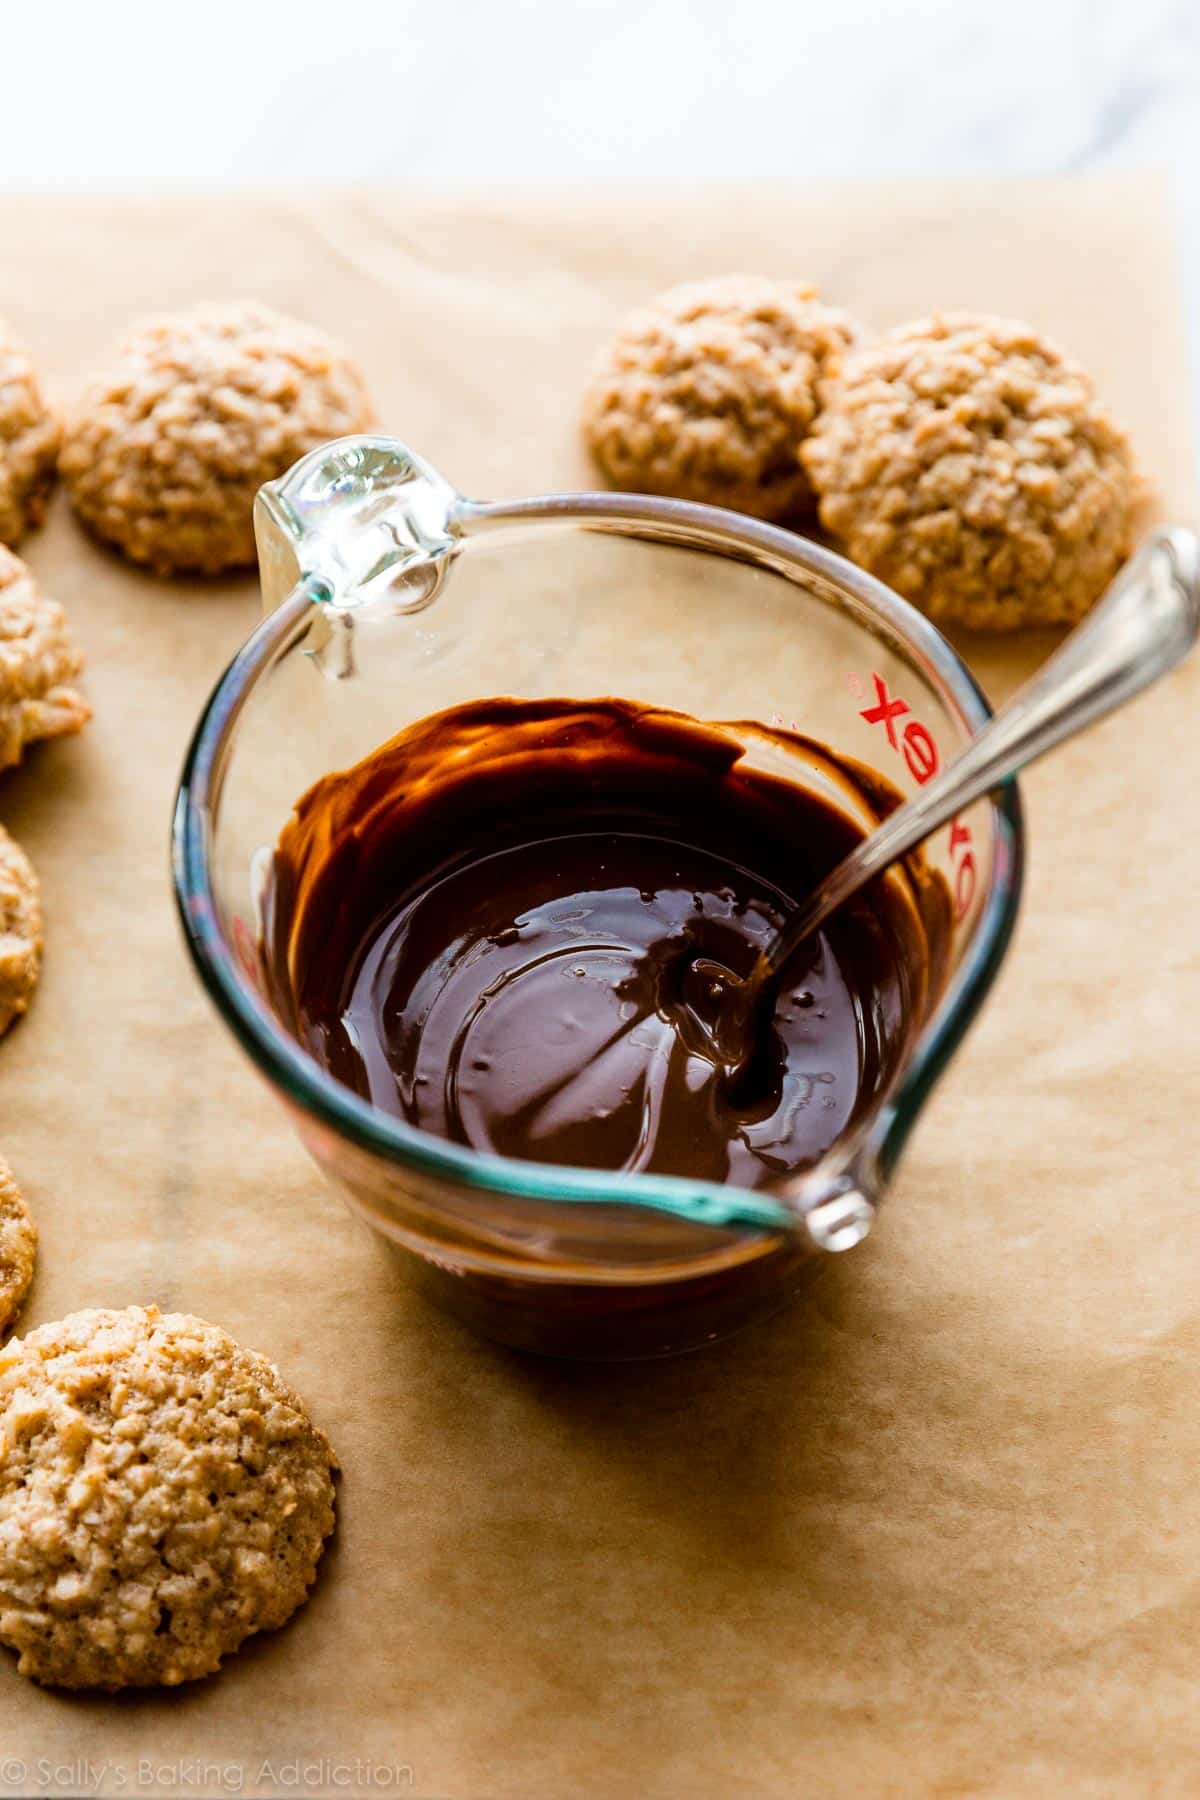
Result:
<point x="390" y="597"/>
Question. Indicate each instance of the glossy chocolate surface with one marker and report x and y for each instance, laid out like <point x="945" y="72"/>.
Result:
<point x="483" y="929"/>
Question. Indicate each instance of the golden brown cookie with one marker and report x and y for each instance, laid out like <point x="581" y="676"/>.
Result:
<point x="38" y="661"/>
<point x="20" y="931"/>
<point x="707" y="393"/>
<point x="163" y="1494"/>
<point x="171" y="443"/>
<point x="29" y="440"/>
<point x="18" y="1247"/>
<point x="966" y="462"/>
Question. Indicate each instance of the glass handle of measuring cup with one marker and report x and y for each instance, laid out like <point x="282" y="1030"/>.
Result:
<point x="364" y="520"/>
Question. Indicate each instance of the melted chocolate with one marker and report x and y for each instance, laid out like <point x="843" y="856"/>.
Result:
<point x="484" y="928"/>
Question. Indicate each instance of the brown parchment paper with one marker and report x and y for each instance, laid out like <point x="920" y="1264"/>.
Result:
<point x="934" y="1531"/>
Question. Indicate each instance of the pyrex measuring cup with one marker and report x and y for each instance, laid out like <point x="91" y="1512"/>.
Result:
<point x="391" y="597"/>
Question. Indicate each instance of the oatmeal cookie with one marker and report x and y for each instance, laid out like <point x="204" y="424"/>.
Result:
<point x="170" y="445"/>
<point x="163" y="1495"/>
<point x="966" y="462"/>
<point x="708" y="392"/>
<point x="38" y="660"/>
<point x="29" y="440"/>
<point x="18" y="1247"/>
<point x="20" y="931"/>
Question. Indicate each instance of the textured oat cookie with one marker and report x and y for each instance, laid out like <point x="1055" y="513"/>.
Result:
<point x="18" y="1247"/>
<point x="163" y="1494"/>
<point x="38" y="661"/>
<point x="169" y="446"/>
<point x="966" y="462"/>
<point x="708" y="392"/>
<point x="29" y="440"/>
<point x="20" y="931"/>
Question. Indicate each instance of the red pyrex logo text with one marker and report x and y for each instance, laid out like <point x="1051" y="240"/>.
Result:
<point x="917" y="745"/>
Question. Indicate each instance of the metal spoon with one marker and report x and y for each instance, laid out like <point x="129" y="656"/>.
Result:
<point x="1145" y="624"/>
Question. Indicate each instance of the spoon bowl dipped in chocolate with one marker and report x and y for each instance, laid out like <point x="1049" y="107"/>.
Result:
<point x="488" y="929"/>
<point x="465" y="956"/>
<point x="582" y="932"/>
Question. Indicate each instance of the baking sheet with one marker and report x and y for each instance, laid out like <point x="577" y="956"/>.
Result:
<point x="933" y="1531"/>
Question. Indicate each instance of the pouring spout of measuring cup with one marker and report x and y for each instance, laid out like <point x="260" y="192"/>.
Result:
<point x="1144" y="625"/>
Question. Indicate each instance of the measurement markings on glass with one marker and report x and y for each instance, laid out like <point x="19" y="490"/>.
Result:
<point x="918" y="746"/>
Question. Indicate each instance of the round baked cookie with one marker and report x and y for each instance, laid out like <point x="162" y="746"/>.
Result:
<point x="707" y="393"/>
<point x="29" y="440"/>
<point x="170" y="444"/>
<point x="18" y="1248"/>
<point x="966" y="462"/>
<point x="20" y="931"/>
<point x="38" y="661"/>
<point x="163" y="1494"/>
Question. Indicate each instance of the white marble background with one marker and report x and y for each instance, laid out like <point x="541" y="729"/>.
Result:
<point x="139" y="93"/>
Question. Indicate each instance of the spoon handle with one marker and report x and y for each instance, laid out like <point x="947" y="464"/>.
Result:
<point x="1146" y="622"/>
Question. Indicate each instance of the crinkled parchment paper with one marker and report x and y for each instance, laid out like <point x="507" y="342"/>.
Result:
<point x="934" y="1531"/>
